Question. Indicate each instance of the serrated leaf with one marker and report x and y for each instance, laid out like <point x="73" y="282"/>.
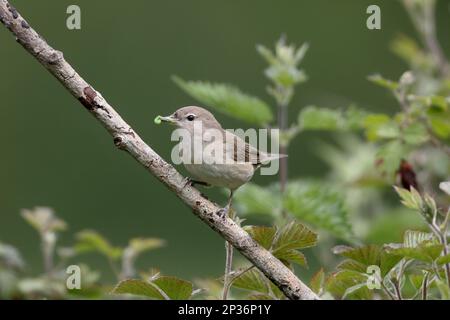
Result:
<point x="320" y="205"/>
<point x="139" y="288"/>
<point x="253" y="199"/>
<point x="89" y="240"/>
<point x="410" y="198"/>
<point x="415" y="134"/>
<point x="365" y="256"/>
<point x="292" y="256"/>
<point x="294" y="235"/>
<point x="317" y="281"/>
<point x="252" y="280"/>
<point x="175" y="289"/>
<point x="338" y="284"/>
<point x="380" y="126"/>
<point x="313" y="118"/>
<point x="389" y="157"/>
<point x="228" y="99"/>
<point x="263" y="235"/>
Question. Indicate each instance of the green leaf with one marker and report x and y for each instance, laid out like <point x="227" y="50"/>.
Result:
<point x="416" y="245"/>
<point x="382" y="82"/>
<point x="440" y="123"/>
<point x="89" y="240"/>
<point x="389" y="157"/>
<point x="342" y="284"/>
<point x="252" y="280"/>
<point x="173" y="288"/>
<point x="176" y="289"/>
<point x="229" y="100"/>
<point x="253" y="199"/>
<point x="364" y="256"/>
<point x="292" y="256"/>
<point x="443" y="259"/>
<point x="294" y="235"/>
<point x="263" y="235"/>
<point x="317" y="281"/>
<point x="415" y="134"/>
<point x="443" y="288"/>
<point x="138" y="288"/>
<point x="320" y="205"/>
<point x="380" y="126"/>
<point x="313" y="118"/>
<point x="410" y="199"/>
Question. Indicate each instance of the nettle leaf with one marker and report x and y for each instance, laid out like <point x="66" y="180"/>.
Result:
<point x="138" y="288"/>
<point x="363" y="257"/>
<point x="252" y="280"/>
<point x="294" y="235"/>
<point x="389" y="157"/>
<point x="383" y="82"/>
<point x="89" y="241"/>
<point x="176" y="289"/>
<point x="292" y="256"/>
<point x="440" y="123"/>
<point x="253" y="199"/>
<point x="317" y="281"/>
<point x="416" y="245"/>
<point x="313" y="118"/>
<point x="319" y="204"/>
<point x="380" y="126"/>
<point x="348" y="284"/>
<point x="162" y="288"/>
<point x="229" y="100"/>
<point x="263" y="235"/>
<point x="415" y="134"/>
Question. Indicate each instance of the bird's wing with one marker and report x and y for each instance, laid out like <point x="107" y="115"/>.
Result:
<point x="240" y="151"/>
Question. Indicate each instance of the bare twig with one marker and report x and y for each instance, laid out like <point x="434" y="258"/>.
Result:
<point x="127" y="139"/>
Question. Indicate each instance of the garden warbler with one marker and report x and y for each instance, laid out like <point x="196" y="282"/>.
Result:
<point x="231" y="162"/>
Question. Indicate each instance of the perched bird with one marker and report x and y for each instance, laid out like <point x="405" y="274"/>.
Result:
<point x="233" y="161"/>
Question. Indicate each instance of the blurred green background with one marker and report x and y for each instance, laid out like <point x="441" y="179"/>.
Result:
<point x="54" y="154"/>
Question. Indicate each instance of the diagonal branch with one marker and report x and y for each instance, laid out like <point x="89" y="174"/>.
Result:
<point x="126" y="138"/>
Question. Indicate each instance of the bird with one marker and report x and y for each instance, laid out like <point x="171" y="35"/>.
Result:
<point x="239" y="162"/>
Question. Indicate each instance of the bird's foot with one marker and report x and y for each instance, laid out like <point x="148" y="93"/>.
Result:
<point x="223" y="212"/>
<point x="192" y="182"/>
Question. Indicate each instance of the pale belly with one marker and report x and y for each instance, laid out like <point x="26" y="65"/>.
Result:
<point x="231" y="176"/>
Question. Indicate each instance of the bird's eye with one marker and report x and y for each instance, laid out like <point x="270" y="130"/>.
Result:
<point x="190" y="117"/>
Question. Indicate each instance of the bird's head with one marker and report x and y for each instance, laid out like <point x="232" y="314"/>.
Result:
<point x="186" y="117"/>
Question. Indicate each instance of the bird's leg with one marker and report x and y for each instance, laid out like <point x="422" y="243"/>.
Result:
<point x="223" y="213"/>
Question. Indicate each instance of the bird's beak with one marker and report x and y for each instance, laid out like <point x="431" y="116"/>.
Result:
<point x="168" y="119"/>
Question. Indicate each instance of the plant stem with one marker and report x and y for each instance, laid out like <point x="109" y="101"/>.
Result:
<point x="228" y="263"/>
<point x="282" y="125"/>
<point x="425" y="287"/>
